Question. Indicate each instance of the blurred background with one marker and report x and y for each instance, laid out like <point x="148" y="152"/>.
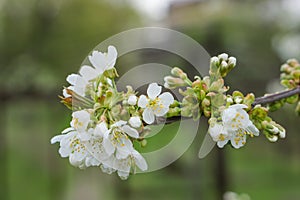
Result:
<point x="42" y="41"/>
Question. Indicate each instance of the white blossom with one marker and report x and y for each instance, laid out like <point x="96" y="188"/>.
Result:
<point x="124" y="165"/>
<point x="132" y="99"/>
<point x="80" y="123"/>
<point x="235" y="126"/>
<point x="104" y="61"/>
<point x="71" y="146"/>
<point x="100" y="61"/>
<point x="155" y="105"/>
<point x="116" y="139"/>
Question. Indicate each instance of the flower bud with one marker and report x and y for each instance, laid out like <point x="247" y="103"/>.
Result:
<point x="282" y="133"/>
<point x="292" y="99"/>
<point x="229" y="100"/>
<point x="232" y="61"/>
<point x="144" y="143"/>
<point x="223" y="56"/>
<point x="272" y="138"/>
<point x="135" y="122"/>
<point x="179" y="73"/>
<point x="238" y="97"/>
<point x="224" y="64"/>
<point x="214" y="61"/>
<point x="293" y="62"/>
<point x="174" y="112"/>
<point x="205" y="102"/>
<point x="132" y="99"/>
<point x="172" y="82"/>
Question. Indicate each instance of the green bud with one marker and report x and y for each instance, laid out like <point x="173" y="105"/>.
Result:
<point x="292" y="99"/>
<point x="249" y="99"/>
<point x="179" y="73"/>
<point x="205" y="103"/>
<point x="172" y="82"/>
<point x="286" y="68"/>
<point x="275" y="106"/>
<point x="293" y="62"/>
<point x="214" y="61"/>
<point x="238" y="97"/>
<point x="174" y="112"/>
<point x="144" y="143"/>
<point x="207" y="112"/>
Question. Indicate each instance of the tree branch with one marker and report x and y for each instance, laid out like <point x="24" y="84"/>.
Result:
<point x="260" y="100"/>
<point x="276" y="97"/>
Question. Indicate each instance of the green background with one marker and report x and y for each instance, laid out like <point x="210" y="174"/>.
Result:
<point x="42" y="41"/>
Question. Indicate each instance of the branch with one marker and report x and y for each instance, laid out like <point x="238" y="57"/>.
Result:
<point x="276" y="97"/>
<point x="260" y="100"/>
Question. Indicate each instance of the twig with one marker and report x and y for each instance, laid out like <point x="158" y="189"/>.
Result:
<point x="276" y="97"/>
<point x="260" y="100"/>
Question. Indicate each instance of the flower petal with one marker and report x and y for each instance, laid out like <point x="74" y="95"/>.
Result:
<point x="107" y="144"/>
<point x="161" y="111"/>
<point x="130" y="131"/>
<point x="166" y="98"/>
<point x="111" y="57"/>
<point x="57" y="138"/>
<point x="148" y="116"/>
<point x="153" y="90"/>
<point x="97" y="59"/>
<point x="140" y="160"/>
<point x="72" y="79"/>
<point x="88" y="72"/>
<point x="143" y="101"/>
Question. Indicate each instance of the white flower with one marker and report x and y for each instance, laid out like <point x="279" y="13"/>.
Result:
<point x="124" y="165"/>
<point x="235" y="126"/>
<point x="132" y="99"/>
<point x="116" y="140"/>
<point x="219" y="134"/>
<point x="77" y="84"/>
<point x="71" y="146"/>
<point x="101" y="62"/>
<point x="80" y="123"/>
<point x="104" y="61"/>
<point x="235" y="118"/>
<point x="155" y="105"/>
<point x="135" y="122"/>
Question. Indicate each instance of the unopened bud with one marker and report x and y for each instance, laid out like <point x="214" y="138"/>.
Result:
<point x="272" y="138"/>
<point x="214" y="60"/>
<point x="144" y="143"/>
<point x="224" y="64"/>
<point x="179" y="73"/>
<point x="132" y="99"/>
<point x="232" y="61"/>
<point x="223" y="56"/>
<point x="172" y="82"/>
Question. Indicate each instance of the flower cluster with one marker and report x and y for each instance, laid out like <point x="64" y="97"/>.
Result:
<point x="234" y="127"/>
<point x="105" y="122"/>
